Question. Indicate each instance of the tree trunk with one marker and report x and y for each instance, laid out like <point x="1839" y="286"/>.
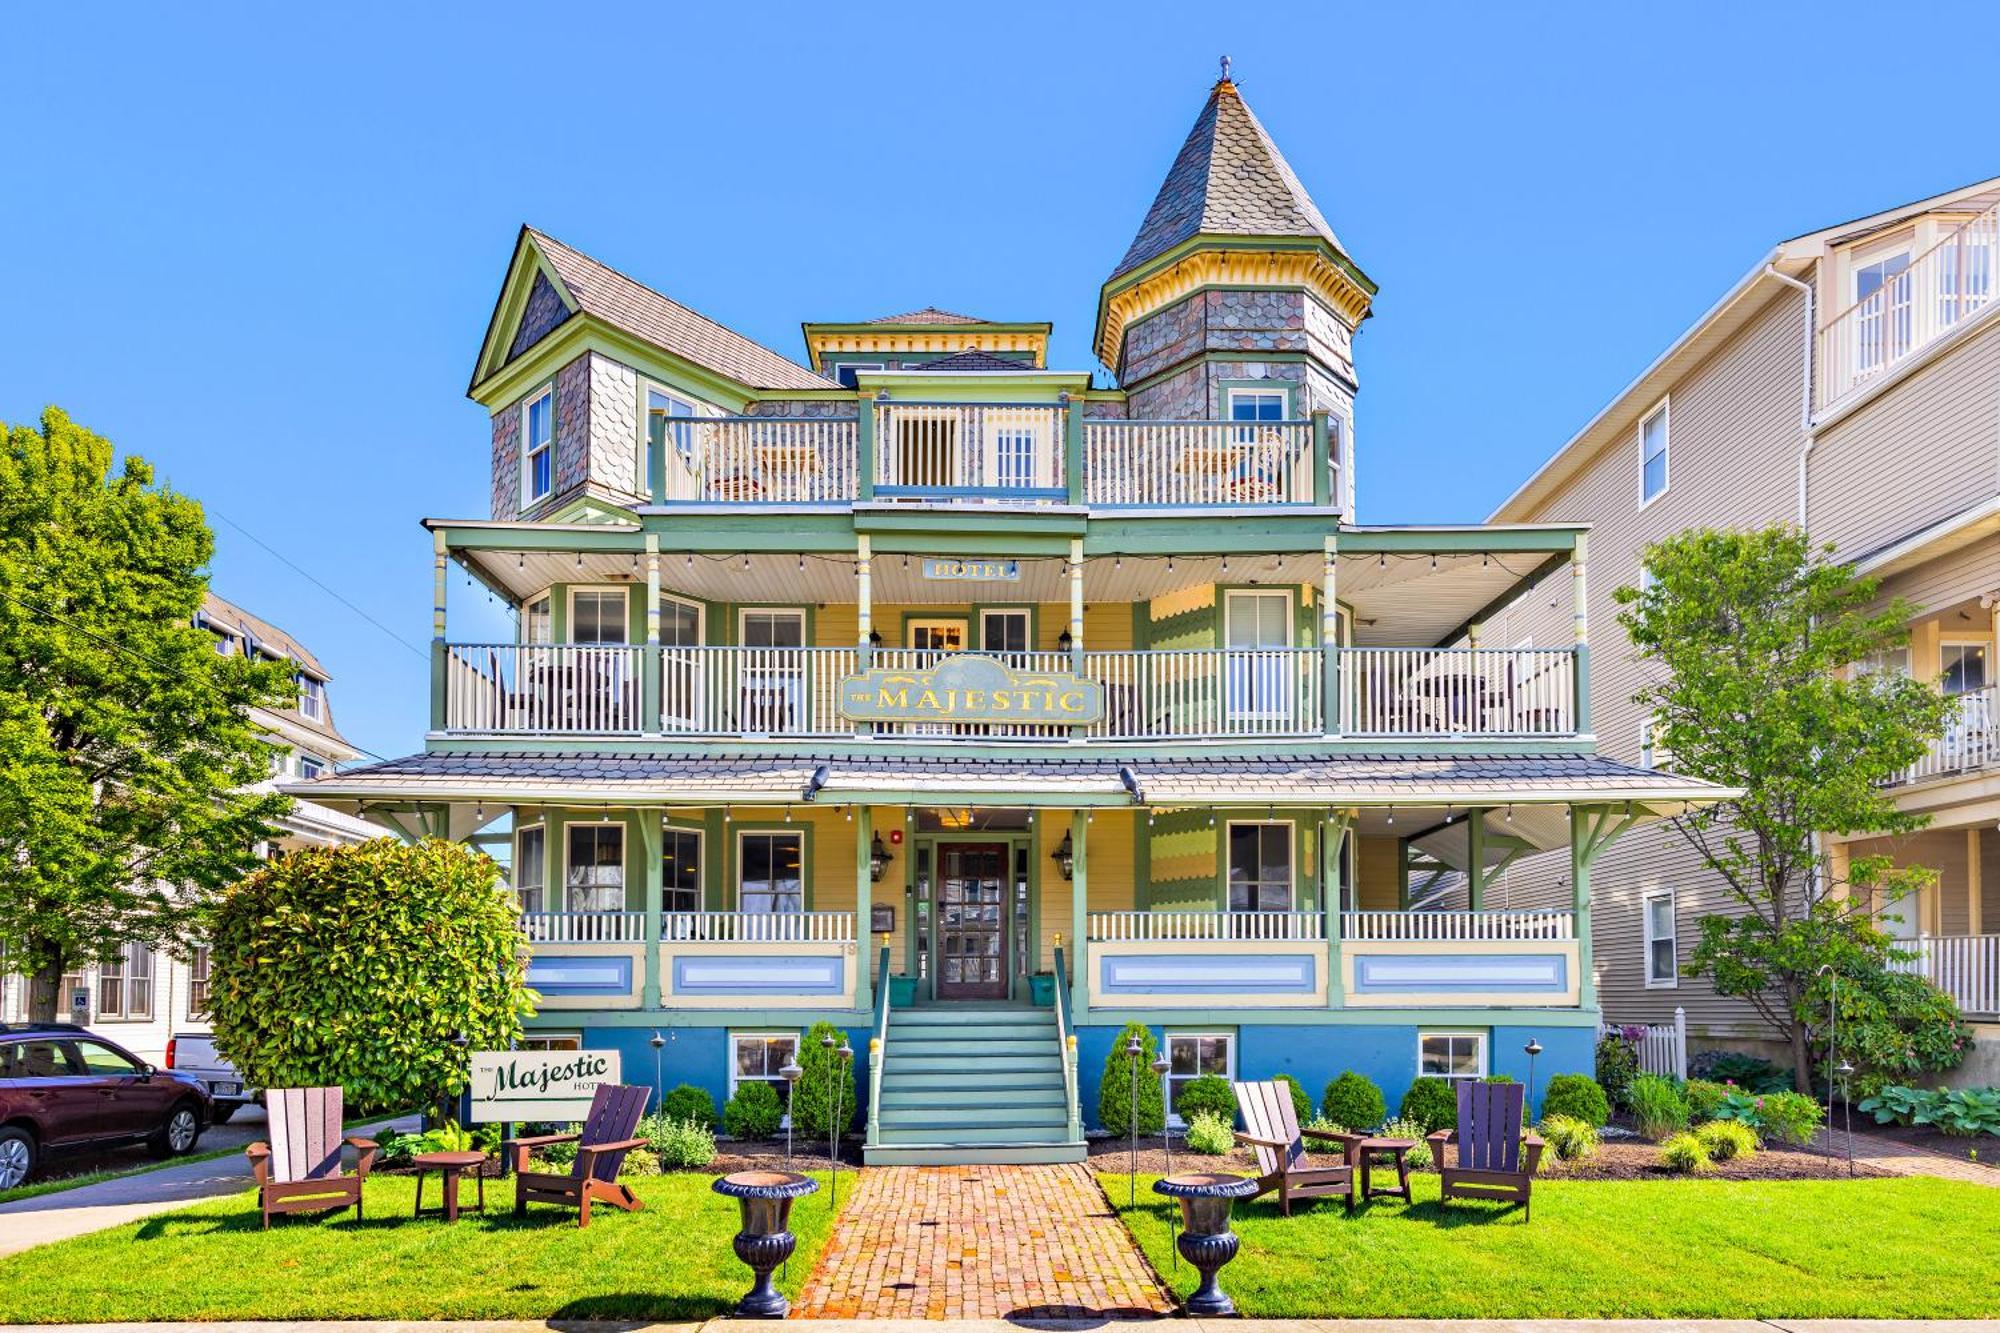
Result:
<point x="45" y="991"/>
<point x="1802" y="1070"/>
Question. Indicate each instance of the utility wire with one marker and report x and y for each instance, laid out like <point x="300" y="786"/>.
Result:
<point x="282" y="558"/>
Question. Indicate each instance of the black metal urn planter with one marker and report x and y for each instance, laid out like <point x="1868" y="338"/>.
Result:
<point x="1206" y="1241"/>
<point x="766" y="1239"/>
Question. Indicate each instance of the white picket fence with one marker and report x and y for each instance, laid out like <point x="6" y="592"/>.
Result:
<point x="1663" y="1047"/>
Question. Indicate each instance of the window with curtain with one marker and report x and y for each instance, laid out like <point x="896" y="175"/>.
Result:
<point x="596" y="868"/>
<point x="597" y="616"/>
<point x="530" y="860"/>
<point x="770" y="873"/>
<point x="1260" y="867"/>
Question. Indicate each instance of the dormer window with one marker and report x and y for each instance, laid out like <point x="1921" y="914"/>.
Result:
<point x="1653" y="455"/>
<point x="538" y="453"/>
<point x="312" y="697"/>
<point x="310" y="765"/>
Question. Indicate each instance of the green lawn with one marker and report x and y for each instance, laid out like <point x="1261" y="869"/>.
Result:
<point x="670" y="1261"/>
<point x="1913" y="1248"/>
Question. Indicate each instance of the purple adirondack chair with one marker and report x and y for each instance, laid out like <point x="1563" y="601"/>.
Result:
<point x="615" y="1110"/>
<point x="1497" y="1155"/>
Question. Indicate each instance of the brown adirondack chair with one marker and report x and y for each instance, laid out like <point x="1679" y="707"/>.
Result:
<point x="1496" y="1160"/>
<point x="1272" y="1130"/>
<point x="300" y="1169"/>
<point x="601" y="1146"/>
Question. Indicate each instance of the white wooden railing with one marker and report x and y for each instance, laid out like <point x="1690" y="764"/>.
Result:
<point x="1458" y="691"/>
<point x="1110" y="927"/>
<point x="1661" y="1047"/>
<point x="759" y="927"/>
<point x="1971" y="742"/>
<point x="767" y="460"/>
<point x="1965" y="967"/>
<point x="754" y="691"/>
<point x="1163" y="694"/>
<point x="1942" y="287"/>
<point x="584" y="927"/>
<point x="999" y="449"/>
<point x="546" y="688"/>
<point x="1458" y="927"/>
<point x="1179" y="463"/>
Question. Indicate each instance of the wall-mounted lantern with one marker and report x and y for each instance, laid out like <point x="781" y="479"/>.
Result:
<point x="879" y="858"/>
<point x="1065" y="858"/>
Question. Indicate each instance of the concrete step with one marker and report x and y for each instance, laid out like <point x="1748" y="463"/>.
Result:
<point x="966" y="1135"/>
<point x="951" y="1016"/>
<point x="898" y="1095"/>
<point x="965" y="1082"/>
<point x="972" y="1031"/>
<point x="976" y="1070"/>
<point x="973" y="1050"/>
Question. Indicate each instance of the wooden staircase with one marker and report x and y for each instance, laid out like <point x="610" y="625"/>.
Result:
<point x="967" y="1086"/>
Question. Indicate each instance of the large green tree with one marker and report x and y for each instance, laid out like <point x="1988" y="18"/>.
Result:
<point x="1760" y="635"/>
<point x="125" y="739"/>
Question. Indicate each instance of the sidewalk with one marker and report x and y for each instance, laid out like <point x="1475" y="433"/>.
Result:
<point x="26" y="1223"/>
<point x="1902" y="1159"/>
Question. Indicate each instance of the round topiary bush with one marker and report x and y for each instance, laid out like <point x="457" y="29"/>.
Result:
<point x="1114" y="1093"/>
<point x="1432" y="1103"/>
<point x="1577" y="1096"/>
<point x="1302" y="1106"/>
<point x="375" y="967"/>
<point x="1208" y="1095"/>
<point x="687" y="1102"/>
<point x="1353" y="1100"/>
<point x="753" y="1113"/>
<point x="823" y="1098"/>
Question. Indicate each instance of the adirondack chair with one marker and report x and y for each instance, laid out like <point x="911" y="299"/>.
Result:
<point x="1272" y="1130"/>
<point x="601" y="1146"/>
<point x="300" y="1169"/>
<point x="1490" y="1140"/>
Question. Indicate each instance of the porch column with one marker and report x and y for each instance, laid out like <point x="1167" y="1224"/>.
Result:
<point x="1329" y="635"/>
<point x="1579" y="614"/>
<point x="1079" y="905"/>
<point x="649" y="666"/>
<point x="1582" y="831"/>
<point x="1076" y="605"/>
<point x="864" y="448"/>
<point x="864" y="902"/>
<point x="1332" y="842"/>
<point x="652" y="876"/>
<point x="864" y="614"/>
<point x="439" y="561"/>
<point x="1322" y="459"/>
<point x="1475" y="861"/>
<point x="1073" y="446"/>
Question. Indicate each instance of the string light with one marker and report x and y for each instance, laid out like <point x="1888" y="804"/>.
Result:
<point x="1392" y="816"/>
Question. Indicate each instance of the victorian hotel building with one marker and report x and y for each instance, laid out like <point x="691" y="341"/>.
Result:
<point x="930" y="690"/>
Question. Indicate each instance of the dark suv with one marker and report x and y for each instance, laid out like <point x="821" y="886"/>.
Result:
<point x="64" y="1087"/>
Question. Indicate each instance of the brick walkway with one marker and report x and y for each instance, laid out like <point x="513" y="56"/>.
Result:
<point x="1903" y="1159"/>
<point x="979" y="1242"/>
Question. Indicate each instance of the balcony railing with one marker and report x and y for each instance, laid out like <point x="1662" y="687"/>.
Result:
<point x="767" y="460"/>
<point x="1109" y="927"/>
<point x="584" y="927"/>
<point x="1970" y="743"/>
<point x="1150" y="695"/>
<point x="1182" y="463"/>
<point x="946" y="450"/>
<point x="759" y="927"/>
<point x="1965" y="967"/>
<point x="1945" y="285"/>
<point x="1458" y="927"/>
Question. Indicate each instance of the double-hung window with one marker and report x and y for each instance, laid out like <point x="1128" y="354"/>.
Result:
<point x="198" y="982"/>
<point x="310" y="764"/>
<point x="312" y="696"/>
<point x="1451" y="1055"/>
<point x="530" y="862"/>
<point x="756" y="1057"/>
<point x="680" y="879"/>
<point x="536" y="624"/>
<point x="1962" y="667"/>
<point x="597" y="615"/>
<point x="770" y="875"/>
<point x="1653" y="454"/>
<point x="596" y="867"/>
<point x="1191" y="1055"/>
<point x="1260" y="867"/>
<point x="125" y="984"/>
<point x="1662" y="966"/>
<point x="538" y="447"/>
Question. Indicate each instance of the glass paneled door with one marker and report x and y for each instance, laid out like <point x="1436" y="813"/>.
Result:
<point x="1257" y="630"/>
<point x="972" y="921"/>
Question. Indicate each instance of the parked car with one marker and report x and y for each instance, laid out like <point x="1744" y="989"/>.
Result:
<point x="63" y="1088"/>
<point x="194" y="1055"/>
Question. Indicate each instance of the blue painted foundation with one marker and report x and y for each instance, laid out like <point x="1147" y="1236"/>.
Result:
<point x="697" y="1055"/>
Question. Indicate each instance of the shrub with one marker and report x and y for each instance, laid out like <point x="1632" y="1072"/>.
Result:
<point x="1617" y="1066"/>
<point x="640" y="1162"/>
<point x="1685" y="1153"/>
<point x="1432" y="1103"/>
<point x="1419" y="1158"/>
<point x="827" y="1084"/>
<point x="358" y="966"/>
<point x="1209" y="1134"/>
<point x="1968" y="1111"/>
<point x="1897" y="1105"/>
<point x="683" y="1143"/>
<point x="1498" y="1078"/>
<point x="1576" y="1097"/>
<point x="1750" y="1072"/>
<point x="1114" y="1094"/>
<point x="1724" y="1139"/>
<point x="687" y="1102"/>
<point x="1302" y="1106"/>
<point x="1325" y="1126"/>
<point x="1704" y="1099"/>
<point x="753" y="1113"/>
<point x="1791" y="1116"/>
<point x="557" y="1155"/>
<point x="1353" y="1099"/>
<point x="1658" y="1109"/>
<point x="1571" y="1139"/>
<point x="1897" y="1026"/>
<point x="1207" y="1095"/>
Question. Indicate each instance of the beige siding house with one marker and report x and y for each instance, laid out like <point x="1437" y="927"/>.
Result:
<point x="1849" y="381"/>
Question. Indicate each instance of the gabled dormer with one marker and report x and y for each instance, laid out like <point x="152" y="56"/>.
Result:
<point x="906" y="341"/>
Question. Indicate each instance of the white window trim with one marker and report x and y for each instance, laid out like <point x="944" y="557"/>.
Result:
<point x="700" y="613"/>
<point x="624" y="862"/>
<point x="1291" y="859"/>
<point x="514" y="870"/>
<point x="1027" y="615"/>
<point x="743" y="614"/>
<point x="735" y="1036"/>
<point x="1480" y="1044"/>
<point x="915" y="623"/>
<point x="1229" y="595"/>
<point x="1174" y="1120"/>
<point x="316" y="696"/>
<point x="1280" y="392"/>
<point x="623" y="590"/>
<point x="1663" y="410"/>
<point x="833" y="368"/>
<point x="643" y="473"/>
<point x="304" y="757"/>
<point x="1646" y="901"/>
<point x="527" y="615"/>
<point x="195" y="1015"/>
<point x="529" y="501"/>
<point x="735" y="877"/>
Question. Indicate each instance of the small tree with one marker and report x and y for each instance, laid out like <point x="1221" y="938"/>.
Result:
<point x="824" y="1094"/>
<point x="126" y="746"/>
<point x="1114" y="1093"/>
<point x="1759" y="635"/>
<point x="374" y="967"/>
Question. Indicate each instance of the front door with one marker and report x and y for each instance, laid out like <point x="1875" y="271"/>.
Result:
<point x="972" y="921"/>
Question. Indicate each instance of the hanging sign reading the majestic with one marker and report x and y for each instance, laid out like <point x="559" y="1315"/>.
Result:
<point x="968" y="688"/>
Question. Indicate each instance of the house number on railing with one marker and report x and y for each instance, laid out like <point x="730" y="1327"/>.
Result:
<point x="973" y="571"/>
<point x="970" y="689"/>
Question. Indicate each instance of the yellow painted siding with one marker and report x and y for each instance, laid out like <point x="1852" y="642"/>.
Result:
<point x="1378" y="881"/>
<point x="1107" y="626"/>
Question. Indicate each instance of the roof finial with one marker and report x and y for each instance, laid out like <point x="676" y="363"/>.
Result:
<point x="1225" y="69"/>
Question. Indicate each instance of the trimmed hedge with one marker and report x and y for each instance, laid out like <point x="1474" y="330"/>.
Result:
<point x="1353" y="1100"/>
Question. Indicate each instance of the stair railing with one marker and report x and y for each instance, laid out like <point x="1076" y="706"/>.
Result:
<point x="1066" y="1049"/>
<point x="878" y="1048"/>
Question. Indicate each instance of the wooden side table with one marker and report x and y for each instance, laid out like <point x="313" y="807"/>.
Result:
<point x="450" y="1166"/>
<point x="1367" y="1150"/>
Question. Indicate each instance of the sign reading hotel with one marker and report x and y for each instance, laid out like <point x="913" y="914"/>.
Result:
<point x="537" y="1085"/>
<point x="973" y="571"/>
<point x="968" y="688"/>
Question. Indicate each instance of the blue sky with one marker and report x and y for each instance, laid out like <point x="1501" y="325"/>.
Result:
<point x="259" y="245"/>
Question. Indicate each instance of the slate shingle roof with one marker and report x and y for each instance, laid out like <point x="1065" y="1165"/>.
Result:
<point x="973" y="359"/>
<point x="644" y="313"/>
<point x="930" y="314"/>
<point x="1230" y="179"/>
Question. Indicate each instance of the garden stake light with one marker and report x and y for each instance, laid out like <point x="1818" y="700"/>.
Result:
<point x="846" y="1054"/>
<point x="791" y="1071"/>
<point x="658" y="1043"/>
<point x="1532" y="1049"/>
<point x="1160" y="1066"/>
<point x="1132" y="1053"/>
<point x="1846" y="1072"/>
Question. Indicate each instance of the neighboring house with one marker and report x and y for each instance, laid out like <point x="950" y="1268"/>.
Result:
<point x="148" y="996"/>
<point x="1850" y="381"/>
<point x="928" y="676"/>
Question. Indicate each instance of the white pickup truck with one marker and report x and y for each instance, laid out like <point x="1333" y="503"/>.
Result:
<point x="194" y="1054"/>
